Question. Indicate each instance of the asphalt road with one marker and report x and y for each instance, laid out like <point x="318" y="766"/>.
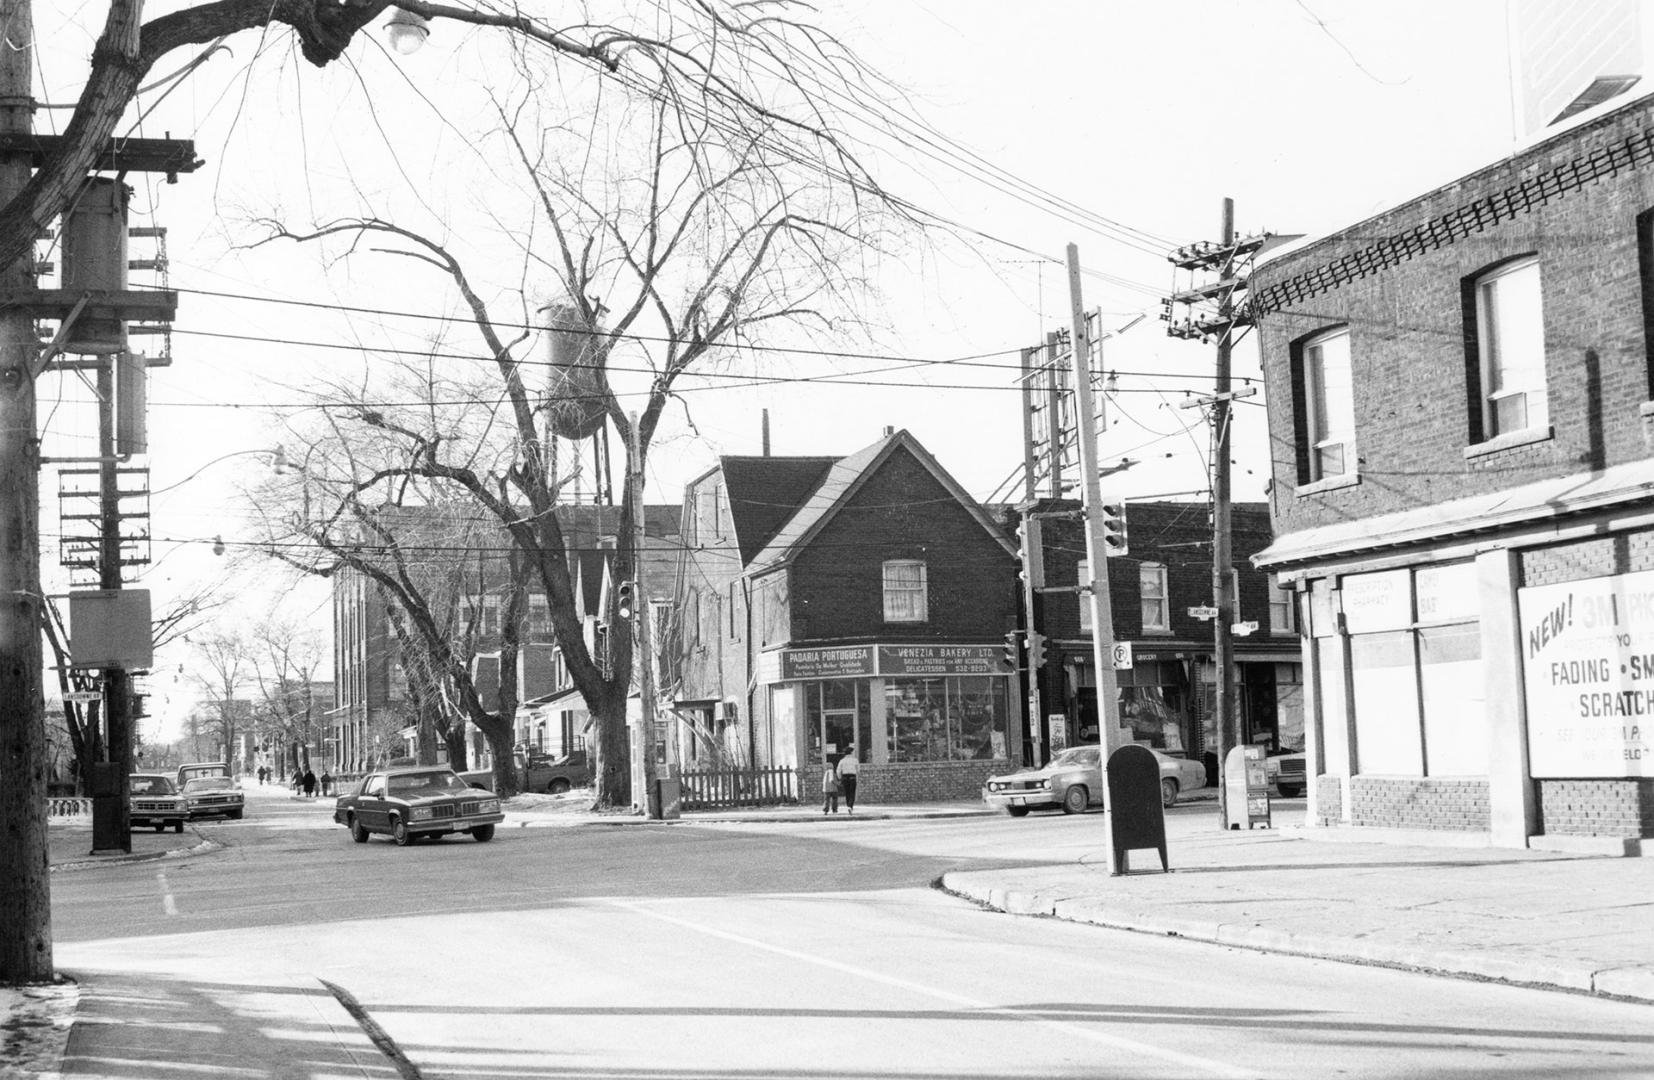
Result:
<point x="812" y="949"/>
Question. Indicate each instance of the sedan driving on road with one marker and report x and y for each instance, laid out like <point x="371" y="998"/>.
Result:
<point x="1073" y="780"/>
<point x="209" y="795"/>
<point x="406" y="804"/>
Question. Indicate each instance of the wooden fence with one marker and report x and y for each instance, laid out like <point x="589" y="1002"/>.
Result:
<point x="712" y="789"/>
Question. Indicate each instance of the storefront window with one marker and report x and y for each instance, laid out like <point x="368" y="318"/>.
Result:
<point x="1154" y="704"/>
<point x="959" y="717"/>
<point x="1455" y="712"/>
<point x="1386" y="705"/>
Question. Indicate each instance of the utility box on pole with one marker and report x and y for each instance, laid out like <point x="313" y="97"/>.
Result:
<point x="94" y="261"/>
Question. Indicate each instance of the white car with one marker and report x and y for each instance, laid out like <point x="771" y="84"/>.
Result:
<point x="1073" y="780"/>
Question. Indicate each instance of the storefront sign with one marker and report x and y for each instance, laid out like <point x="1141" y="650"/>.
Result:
<point x="1373" y="602"/>
<point x="1588" y="669"/>
<point x="827" y="663"/>
<point x="942" y="660"/>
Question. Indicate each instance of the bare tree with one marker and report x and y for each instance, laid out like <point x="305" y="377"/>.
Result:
<point x="694" y="241"/>
<point x="223" y="674"/>
<point x="729" y="69"/>
<point x="285" y="658"/>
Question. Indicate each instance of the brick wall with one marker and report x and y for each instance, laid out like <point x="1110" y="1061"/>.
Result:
<point x="903" y="512"/>
<point x="1622" y="808"/>
<point x="924" y="781"/>
<point x="1622" y="553"/>
<point x="1419" y="803"/>
<point x="1408" y="333"/>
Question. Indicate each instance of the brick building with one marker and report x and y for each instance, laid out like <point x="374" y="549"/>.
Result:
<point x="827" y="603"/>
<point x="1168" y="697"/>
<point x="1460" y="397"/>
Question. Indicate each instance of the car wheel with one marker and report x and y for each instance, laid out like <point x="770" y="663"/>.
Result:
<point x="1075" y="799"/>
<point x="400" y="833"/>
<point x="1290" y="791"/>
<point x="358" y="832"/>
<point x="161" y="827"/>
<point x="1017" y="811"/>
<point x="557" y="786"/>
<point x="235" y="815"/>
<point x="178" y="826"/>
<point x="483" y="833"/>
<point x="1168" y="791"/>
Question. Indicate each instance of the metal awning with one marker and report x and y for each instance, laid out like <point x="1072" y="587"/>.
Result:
<point x="562" y="697"/>
<point x="1527" y="504"/>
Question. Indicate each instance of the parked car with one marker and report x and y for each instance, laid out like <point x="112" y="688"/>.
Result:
<point x="1073" y="780"/>
<point x="542" y="772"/>
<point x="209" y="795"/>
<point x="408" y="803"/>
<point x="1286" y="773"/>
<point x="153" y="799"/>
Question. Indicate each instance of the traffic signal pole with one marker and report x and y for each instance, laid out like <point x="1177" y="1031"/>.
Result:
<point x="1102" y="610"/>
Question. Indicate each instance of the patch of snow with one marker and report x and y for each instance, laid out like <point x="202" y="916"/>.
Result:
<point x="34" y="1029"/>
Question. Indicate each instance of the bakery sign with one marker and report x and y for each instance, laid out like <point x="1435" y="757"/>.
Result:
<point x="842" y="662"/>
<point x="1588" y="672"/>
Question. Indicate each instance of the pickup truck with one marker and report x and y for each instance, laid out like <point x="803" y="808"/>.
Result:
<point x="541" y="773"/>
<point x="556" y="775"/>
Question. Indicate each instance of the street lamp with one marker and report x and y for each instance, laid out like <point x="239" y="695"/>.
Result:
<point x="407" y="31"/>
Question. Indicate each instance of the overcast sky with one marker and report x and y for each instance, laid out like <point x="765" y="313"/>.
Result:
<point x="1116" y="126"/>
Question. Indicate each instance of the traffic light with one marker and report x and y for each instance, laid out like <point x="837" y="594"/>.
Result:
<point x="1032" y="551"/>
<point x="1114" y="529"/>
<point x="1036" y="651"/>
<point x="625" y="602"/>
<point x="140" y="706"/>
<point x="1013" y="649"/>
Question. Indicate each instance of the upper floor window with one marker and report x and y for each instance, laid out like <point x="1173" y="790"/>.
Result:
<point x="1281" y="608"/>
<point x="1329" y="405"/>
<point x="1156" y="604"/>
<point x="539" y="615"/>
<point x="904" y="591"/>
<point x="1510" y="342"/>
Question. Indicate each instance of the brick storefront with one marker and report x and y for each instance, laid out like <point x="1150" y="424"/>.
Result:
<point x="1463" y="494"/>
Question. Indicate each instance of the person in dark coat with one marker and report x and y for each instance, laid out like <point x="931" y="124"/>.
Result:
<point x="309" y="784"/>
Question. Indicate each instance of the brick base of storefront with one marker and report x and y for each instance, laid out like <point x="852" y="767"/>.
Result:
<point x="1616" y="808"/>
<point x="1424" y="803"/>
<point x="1330" y="801"/>
<point x="928" y="781"/>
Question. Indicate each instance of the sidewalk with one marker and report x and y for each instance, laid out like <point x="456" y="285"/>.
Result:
<point x="1555" y="920"/>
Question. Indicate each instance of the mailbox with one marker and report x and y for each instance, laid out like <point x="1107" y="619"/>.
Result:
<point x="1138" y="817"/>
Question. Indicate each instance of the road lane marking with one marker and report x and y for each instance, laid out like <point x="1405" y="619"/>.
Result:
<point x="168" y="905"/>
<point x="1116" y="1042"/>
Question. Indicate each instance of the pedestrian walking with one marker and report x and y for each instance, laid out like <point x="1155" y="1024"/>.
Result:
<point x="829" y="790"/>
<point x="327" y="782"/>
<point x="847" y="767"/>
<point x="309" y="784"/>
<point x="261" y="776"/>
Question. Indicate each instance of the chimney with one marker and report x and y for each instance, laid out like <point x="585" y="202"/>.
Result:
<point x="889" y="431"/>
<point x="766" y="435"/>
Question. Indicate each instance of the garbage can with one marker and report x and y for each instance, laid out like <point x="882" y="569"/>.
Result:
<point x="669" y="793"/>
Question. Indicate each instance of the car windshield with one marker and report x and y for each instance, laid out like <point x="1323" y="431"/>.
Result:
<point x="426" y="783"/>
<point x="209" y="783"/>
<point x="1078" y="755"/>
<point x="152" y="785"/>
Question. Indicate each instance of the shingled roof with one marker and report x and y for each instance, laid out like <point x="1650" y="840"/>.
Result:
<point x="764" y="492"/>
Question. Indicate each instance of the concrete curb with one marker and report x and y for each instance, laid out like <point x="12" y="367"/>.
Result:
<point x="583" y="819"/>
<point x="1632" y="984"/>
<point x="201" y="847"/>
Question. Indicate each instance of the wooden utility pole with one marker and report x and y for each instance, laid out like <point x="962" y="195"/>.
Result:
<point x="25" y="899"/>
<point x="1223" y="642"/>
<point x="1229" y="258"/>
<point x="1102" y="609"/>
<point x="117" y="684"/>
